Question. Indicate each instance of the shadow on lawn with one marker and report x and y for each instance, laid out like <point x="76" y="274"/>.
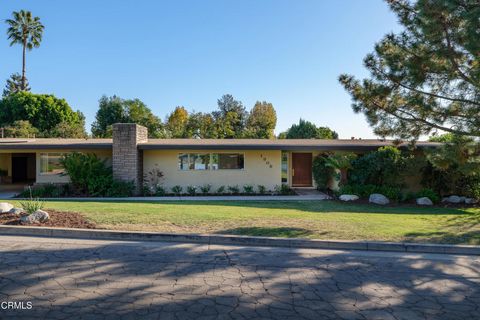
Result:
<point x="309" y="205"/>
<point x="162" y="281"/>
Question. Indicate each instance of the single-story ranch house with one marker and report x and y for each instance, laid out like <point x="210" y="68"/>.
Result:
<point x="183" y="161"/>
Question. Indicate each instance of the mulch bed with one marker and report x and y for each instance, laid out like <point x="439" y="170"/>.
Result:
<point x="59" y="219"/>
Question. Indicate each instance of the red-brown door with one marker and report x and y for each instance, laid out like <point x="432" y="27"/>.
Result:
<point x="301" y="169"/>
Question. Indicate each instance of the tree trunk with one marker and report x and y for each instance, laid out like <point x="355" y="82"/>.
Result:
<point x="23" y="64"/>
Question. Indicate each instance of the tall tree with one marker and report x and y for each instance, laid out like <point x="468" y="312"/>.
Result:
<point x="261" y="121"/>
<point x="14" y="84"/>
<point x="230" y="118"/>
<point x="25" y="30"/>
<point x="427" y="77"/>
<point x="200" y="125"/>
<point x="176" y="122"/>
<point x="117" y="110"/>
<point x="43" y="111"/>
<point x="307" y="130"/>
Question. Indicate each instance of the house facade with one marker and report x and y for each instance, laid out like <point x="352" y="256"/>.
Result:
<point x="183" y="162"/>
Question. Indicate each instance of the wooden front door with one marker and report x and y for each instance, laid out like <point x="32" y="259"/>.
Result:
<point x="301" y="169"/>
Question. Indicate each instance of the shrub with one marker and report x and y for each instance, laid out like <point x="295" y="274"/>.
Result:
<point x="89" y="175"/>
<point x="248" y="189"/>
<point x="32" y="204"/>
<point x="177" y="190"/>
<point x="46" y="191"/>
<point x="261" y="189"/>
<point x="205" y="189"/>
<point x="221" y="189"/>
<point x="160" y="191"/>
<point x="429" y="193"/>
<point x="192" y="190"/>
<point x="364" y="191"/>
<point x="234" y="189"/>
<point x="153" y="179"/>
<point x="120" y="189"/>
<point x="84" y="171"/>
<point x="284" y="190"/>
<point x="384" y="167"/>
<point x="322" y="173"/>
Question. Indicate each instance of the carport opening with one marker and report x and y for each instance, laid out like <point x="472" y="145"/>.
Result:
<point x="23" y="167"/>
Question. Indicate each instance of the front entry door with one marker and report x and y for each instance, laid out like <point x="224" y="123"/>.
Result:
<point x="301" y="169"/>
<point x="19" y="169"/>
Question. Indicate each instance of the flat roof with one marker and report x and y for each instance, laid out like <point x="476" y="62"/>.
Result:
<point x="273" y="144"/>
<point x="54" y="143"/>
<point x="210" y="144"/>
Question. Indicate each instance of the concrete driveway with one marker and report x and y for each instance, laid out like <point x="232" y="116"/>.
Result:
<point x="85" y="279"/>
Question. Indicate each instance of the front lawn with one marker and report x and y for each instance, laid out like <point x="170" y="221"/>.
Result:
<point x="307" y="219"/>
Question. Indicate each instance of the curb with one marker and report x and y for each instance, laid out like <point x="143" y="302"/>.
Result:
<point x="213" y="239"/>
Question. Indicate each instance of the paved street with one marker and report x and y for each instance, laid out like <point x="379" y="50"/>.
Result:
<point x="85" y="279"/>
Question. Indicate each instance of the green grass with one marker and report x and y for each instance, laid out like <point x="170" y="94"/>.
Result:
<point x="307" y="219"/>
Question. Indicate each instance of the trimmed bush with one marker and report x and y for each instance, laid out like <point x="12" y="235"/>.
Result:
<point x="248" y="189"/>
<point x="322" y="173"/>
<point x="364" y="191"/>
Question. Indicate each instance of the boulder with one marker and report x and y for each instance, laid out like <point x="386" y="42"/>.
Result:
<point x="378" y="198"/>
<point x="348" y="197"/>
<point x="38" y="216"/>
<point x="424" y="201"/>
<point x="16" y="211"/>
<point x="454" y="199"/>
<point x="5" y="207"/>
<point x="471" y="201"/>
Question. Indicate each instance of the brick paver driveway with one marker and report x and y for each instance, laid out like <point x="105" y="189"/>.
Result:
<point x="66" y="279"/>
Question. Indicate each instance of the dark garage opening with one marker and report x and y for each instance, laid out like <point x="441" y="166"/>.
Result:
<point x="23" y="167"/>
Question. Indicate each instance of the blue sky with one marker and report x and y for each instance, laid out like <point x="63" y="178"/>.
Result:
<point x="190" y="53"/>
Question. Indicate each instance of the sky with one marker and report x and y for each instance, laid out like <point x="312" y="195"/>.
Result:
<point x="191" y="52"/>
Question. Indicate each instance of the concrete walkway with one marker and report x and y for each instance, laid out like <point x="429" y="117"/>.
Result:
<point x="86" y="279"/>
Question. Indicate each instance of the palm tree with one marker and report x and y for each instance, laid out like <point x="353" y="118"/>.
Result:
<point x="27" y="31"/>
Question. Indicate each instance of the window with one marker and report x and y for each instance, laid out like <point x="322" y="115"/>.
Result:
<point x="228" y="161"/>
<point x="199" y="161"/>
<point x="183" y="162"/>
<point x="210" y="161"/>
<point x="50" y="163"/>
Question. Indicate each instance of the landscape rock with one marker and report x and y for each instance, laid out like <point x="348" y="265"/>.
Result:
<point x="5" y="207"/>
<point x="471" y="201"/>
<point x="38" y="216"/>
<point x="16" y="211"/>
<point x="454" y="199"/>
<point x="348" y="197"/>
<point x="378" y="198"/>
<point x="424" y="201"/>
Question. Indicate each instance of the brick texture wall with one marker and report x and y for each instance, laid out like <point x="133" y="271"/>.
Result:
<point x="127" y="160"/>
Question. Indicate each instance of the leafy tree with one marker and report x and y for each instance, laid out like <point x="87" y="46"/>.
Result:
<point x="20" y="129"/>
<point x="117" y="110"/>
<point x="14" y="84"/>
<point x="427" y="77"/>
<point x="262" y="121"/>
<point x="43" y="111"/>
<point x="230" y="118"/>
<point x="307" y="130"/>
<point x="201" y="125"/>
<point x="454" y="167"/>
<point x="177" y="122"/>
<point x="25" y="30"/>
<point x="67" y="130"/>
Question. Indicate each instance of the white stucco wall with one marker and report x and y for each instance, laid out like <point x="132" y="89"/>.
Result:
<point x="256" y="171"/>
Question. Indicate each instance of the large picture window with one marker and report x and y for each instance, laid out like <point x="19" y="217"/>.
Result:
<point x="211" y="161"/>
<point x="50" y="163"/>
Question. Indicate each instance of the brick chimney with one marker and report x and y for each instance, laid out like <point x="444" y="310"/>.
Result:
<point x="127" y="160"/>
